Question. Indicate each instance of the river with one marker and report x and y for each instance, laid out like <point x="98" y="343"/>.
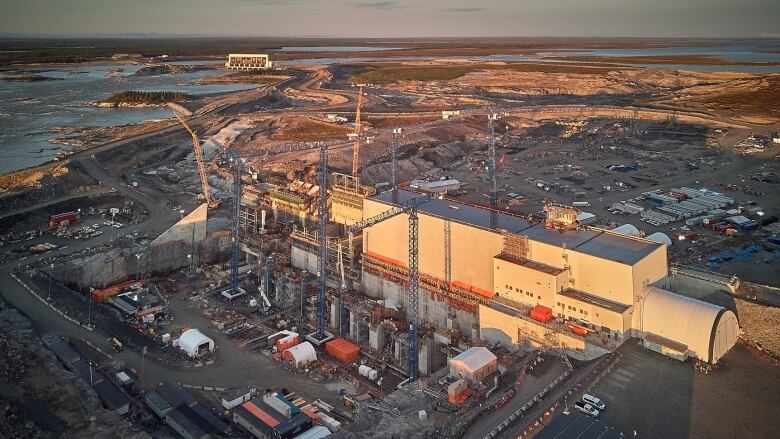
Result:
<point x="31" y="113"/>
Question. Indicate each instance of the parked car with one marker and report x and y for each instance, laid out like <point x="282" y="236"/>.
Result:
<point x="595" y="402"/>
<point x="587" y="409"/>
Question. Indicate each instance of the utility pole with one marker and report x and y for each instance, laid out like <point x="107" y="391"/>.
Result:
<point x="394" y="159"/>
<point x="89" y="310"/>
<point x="51" y="267"/>
<point x="143" y="358"/>
<point x="92" y="417"/>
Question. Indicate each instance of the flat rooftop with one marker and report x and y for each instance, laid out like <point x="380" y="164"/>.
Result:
<point x="594" y="300"/>
<point x="594" y="242"/>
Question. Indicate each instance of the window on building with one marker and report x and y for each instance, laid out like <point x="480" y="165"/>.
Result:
<point x="585" y="312"/>
<point x="539" y="297"/>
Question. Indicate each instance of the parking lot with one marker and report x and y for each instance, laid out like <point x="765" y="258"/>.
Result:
<point x="578" y="425"/>
<point x="663" y="398"/>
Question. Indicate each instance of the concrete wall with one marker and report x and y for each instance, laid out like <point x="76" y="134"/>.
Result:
<point x="496" y="326"/>
<point x="433" y="312"/>
<point x="107" y="268"/>
<point x="183" y="230"/>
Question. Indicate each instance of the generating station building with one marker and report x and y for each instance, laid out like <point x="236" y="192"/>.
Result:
<point x="521" y="282"/>
<point x="248" y="61"/>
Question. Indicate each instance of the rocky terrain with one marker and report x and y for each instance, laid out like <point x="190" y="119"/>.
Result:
<point x="39" y="398"/>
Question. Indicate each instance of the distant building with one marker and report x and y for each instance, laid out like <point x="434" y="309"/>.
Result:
<point x="248" y="61"/>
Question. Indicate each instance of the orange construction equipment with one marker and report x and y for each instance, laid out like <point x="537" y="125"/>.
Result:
<point x="102" y="294"/>
<point x="541" y="313"/>
<point x="343" y="350"/>
<point x="356" y="148"/>
<point x="198" y="159"/>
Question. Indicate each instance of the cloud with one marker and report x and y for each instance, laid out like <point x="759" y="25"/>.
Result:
<point x="465" y="10"/>
<point x="375" y="5"/>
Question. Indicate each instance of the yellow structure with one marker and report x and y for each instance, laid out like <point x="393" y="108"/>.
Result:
<point x="248" y="61"/>
<point x="591" y="279"/>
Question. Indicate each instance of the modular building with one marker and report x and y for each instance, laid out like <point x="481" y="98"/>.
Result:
<point x="496" y="267"/>
<point x="236" y="398"/>
<point x="185" y="426"/>
<point x="474" y="364"/>
<point x="264" y="422"/>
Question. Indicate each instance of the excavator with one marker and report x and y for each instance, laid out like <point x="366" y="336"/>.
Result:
<point x="211" y="202"/>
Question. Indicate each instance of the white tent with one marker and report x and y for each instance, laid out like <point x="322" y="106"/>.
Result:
<point x="705" y="330"/>
<point x="194" y="343"/>
<point x="301" y="354"/>
<point x="627" y="229"/>
<point x="474" y="364"/>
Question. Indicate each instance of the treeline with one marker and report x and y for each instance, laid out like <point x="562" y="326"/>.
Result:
<point x="147" y="97"/>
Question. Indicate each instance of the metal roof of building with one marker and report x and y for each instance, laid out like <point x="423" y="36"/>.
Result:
<point x="618" y="248"/>
<point x="623" y="249"/>
<point x="458" y="211"/>
<point x="474" y="358"/>
<point x="594" y="300"/>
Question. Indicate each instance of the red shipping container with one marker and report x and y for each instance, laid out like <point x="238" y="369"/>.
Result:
<point x="541" y="313"/>
<point x="343" y="350"/>
<point x="55" y="220"/>
<point x="286" y="343"/>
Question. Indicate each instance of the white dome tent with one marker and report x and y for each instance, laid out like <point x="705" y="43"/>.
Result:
<point x="194" y="343"/>
<point x="300" y="355"/>
<point x="660" y="237"/>
<point x="627" y="229"/>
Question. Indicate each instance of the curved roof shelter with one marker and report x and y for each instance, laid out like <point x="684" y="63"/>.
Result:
<point x="194" y="343"/>
<point x="661" y="237"/>
<point x="627" y="229"/>
<point x="708" y="331"/>
<point x="300" y="354"/>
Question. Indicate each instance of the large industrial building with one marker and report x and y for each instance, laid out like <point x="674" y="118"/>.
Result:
<point x="503" y="278"/>
<point x="248" y="61"/>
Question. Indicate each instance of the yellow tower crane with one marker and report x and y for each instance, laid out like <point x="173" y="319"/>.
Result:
<point x="356" y="149"/>
<point x="198" y="159"/>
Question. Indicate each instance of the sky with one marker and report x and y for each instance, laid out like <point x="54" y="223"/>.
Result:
<point x="395" y="18"/>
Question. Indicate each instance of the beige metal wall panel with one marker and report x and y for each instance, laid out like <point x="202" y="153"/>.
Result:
<point x="513" y="281"/>
<point x="472" y="248"/>
<point x="650" y="269"/>
<point x="613" y="320"/>
<point x="545" y="253"/>
<point x="602" y="277"/>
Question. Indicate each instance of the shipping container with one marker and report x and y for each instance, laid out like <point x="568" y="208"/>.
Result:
<point x="541" y="313"/>
<point x="342" y="350"/>
<point x="112" y="398"/>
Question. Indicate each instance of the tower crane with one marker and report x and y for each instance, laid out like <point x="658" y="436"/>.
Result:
<point x="356" y="148"/>
<point x="409" y="206"/>
<point x="198" y="159"/>
<point x="237" y="163"/>
<point x="492" y="117"/>
<point x="322" y="239"/>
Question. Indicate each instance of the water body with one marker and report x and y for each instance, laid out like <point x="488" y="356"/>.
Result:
<point x="334" y="48"/>
<point x="31" y="112"/>
<point x="741" y="51"/>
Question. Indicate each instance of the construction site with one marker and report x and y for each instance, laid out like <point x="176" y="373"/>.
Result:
<point x="335" y="254"/>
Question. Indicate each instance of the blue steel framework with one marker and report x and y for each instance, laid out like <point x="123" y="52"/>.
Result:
<point x="410" y="207"/>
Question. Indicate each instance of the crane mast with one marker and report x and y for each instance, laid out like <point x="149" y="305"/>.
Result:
<point x="356" y="148"/>
<point x="198" y="159"/>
